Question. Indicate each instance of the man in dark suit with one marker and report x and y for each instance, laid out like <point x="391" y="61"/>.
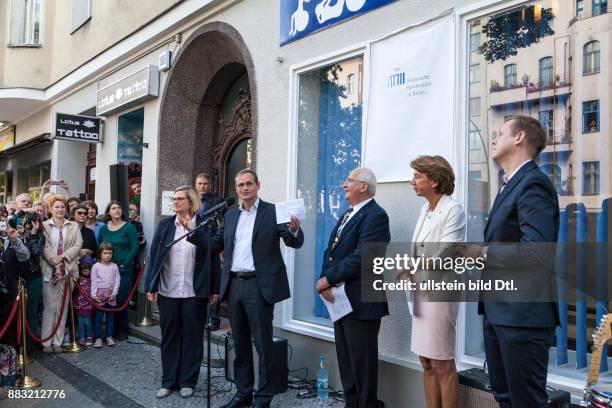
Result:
<point x="254" y="278"/>
<point x="356" y="334"/>
<point x="523" y="219"/>
<point x="208" y="199"/>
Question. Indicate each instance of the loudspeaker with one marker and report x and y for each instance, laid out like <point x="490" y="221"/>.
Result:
<point x="280" y="367"/>
<point x="475" y="391"/>
<point x="119" y="185"/>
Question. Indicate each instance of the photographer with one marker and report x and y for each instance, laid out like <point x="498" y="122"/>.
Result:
<point x="14" y="257"/>
<point x="34" y="240"/>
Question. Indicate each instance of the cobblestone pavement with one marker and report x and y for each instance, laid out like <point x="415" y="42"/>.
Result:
<point x="128" y="375"/>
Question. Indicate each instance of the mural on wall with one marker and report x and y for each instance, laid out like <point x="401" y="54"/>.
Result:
<point x="300" y="18"/>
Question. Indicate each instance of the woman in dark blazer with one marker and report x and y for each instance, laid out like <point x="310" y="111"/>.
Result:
<point x="178" y="280"/>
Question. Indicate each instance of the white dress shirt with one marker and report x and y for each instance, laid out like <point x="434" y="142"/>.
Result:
<point x="513" y="173"/>
<point x="242" y="257"/>
<point x="176" y="280"/>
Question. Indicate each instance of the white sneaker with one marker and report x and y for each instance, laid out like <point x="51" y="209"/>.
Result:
<point x="110" y="341"/>
<point x="162" y="393"/>
<point x="98" y="343"/>
<point x="66" y="340"/>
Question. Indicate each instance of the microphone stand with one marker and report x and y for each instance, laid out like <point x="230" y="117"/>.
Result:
<point x="209" y="232"/>
<point x="208" y="224"/>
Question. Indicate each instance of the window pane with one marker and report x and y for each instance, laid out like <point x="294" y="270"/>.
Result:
<point x="329" y="147"/>
<point x="474" y="73"/>
<point x="474" y="42"/>
<point x="550" y="49"/>
<point x="81" y="13"/>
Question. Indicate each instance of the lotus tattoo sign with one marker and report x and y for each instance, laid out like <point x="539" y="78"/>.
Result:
<point x="300" y="18"/>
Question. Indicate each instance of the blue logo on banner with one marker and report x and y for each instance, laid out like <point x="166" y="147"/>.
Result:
<point x="300" y="18"/>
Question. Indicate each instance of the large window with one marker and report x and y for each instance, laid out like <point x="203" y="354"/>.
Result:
<point x="590" y="178"/>
<point x="590" y="116"/>
<point x="548" y="50"/>
<point x="546" y="118"/>
<point x="579" y="8"/>
<point x="553" y="172"/>
<point x="25" y="22"/>
<point x="591" y="59"/>
<point x="546" y="72"/>
<point x="510" y="75"/>
<point x="329" y="147"/>
<point x="600" y="7"/>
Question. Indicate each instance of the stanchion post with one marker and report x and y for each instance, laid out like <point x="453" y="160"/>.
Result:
<point x="27" y="382"/>
<point x="74" y="346"/>
<point x="145" y="321"/>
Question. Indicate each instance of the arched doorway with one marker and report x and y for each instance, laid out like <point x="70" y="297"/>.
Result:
<point x="207" y="120"/>
<point x="233" y="144"/>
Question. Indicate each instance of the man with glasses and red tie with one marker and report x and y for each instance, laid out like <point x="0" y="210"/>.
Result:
<point x="356" y="334"/>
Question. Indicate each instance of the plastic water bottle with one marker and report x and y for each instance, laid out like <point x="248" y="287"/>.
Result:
<point x="322" y="380"/>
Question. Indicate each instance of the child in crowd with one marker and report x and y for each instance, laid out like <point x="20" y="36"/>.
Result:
<point x="105" y="281"/>
<point x="82" y="303"/>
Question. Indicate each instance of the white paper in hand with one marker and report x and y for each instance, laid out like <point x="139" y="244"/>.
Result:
<point x="341" y="306"/>
<point x="286" y="209"/>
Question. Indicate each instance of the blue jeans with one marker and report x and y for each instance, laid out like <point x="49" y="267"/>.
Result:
<point x="125" y="285"/>
<point x="109" y="322"/>
<point x="85" y="327"/>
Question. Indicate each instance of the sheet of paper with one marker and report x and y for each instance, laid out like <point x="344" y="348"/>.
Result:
<point x="286" y="209"/>
<point x="341" y="306"/>
<point x="410" y="304"/>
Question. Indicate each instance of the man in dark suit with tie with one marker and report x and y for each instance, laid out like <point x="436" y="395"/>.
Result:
<point x="356" y="334"/>
<point x="208" y="199"/>
<point x="254" y="278"/>
<point x="523" y="222"/>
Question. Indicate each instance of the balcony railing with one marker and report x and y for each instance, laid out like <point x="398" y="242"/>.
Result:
<point x="597" y="11"/>
<point x="559" y="138"/>
<point x="559" y="81"/>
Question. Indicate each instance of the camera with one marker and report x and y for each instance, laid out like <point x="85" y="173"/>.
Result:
<point x="15" y="220"/>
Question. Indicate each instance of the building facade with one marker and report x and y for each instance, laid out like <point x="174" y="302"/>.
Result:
<point x="205" y="85"/>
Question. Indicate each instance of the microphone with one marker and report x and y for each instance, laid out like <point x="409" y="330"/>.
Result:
<point x="227" y="202"/>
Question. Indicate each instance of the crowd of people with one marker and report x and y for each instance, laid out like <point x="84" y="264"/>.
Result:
<point x="62" y="244"/>
<point x="237" y="258"/>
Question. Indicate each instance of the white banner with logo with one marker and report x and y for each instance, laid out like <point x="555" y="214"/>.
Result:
<point x="411" y="103"/>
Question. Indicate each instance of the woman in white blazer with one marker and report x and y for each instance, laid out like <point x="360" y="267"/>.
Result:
<point x="442" y="220"/>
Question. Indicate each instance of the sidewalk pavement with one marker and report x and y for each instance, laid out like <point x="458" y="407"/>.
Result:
<point x="128" y="375"/>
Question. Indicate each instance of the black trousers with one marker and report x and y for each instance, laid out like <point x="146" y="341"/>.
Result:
<point x="357" y="350"/>
<point x="250" y="315"/>
<point x="517" y="358"/>
<point x="182" y="322"/>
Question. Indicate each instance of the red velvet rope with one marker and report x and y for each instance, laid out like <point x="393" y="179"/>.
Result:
<point x="10" y="318"/>
<point x="57" y="325"/>
<point x="89" y="299"/>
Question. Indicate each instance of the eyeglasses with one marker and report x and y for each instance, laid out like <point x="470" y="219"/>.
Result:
<point x="350" y="180"/>
<point x="80" y="213"/>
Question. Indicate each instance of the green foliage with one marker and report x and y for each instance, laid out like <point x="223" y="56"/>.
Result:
<point x="509" y="32"/>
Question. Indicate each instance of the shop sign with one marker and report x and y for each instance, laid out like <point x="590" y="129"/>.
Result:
<point x="300" y="18"/>
<point x="7" y="138"/>
<point x="139" y="87"/>
<point x="77" y="127"/>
